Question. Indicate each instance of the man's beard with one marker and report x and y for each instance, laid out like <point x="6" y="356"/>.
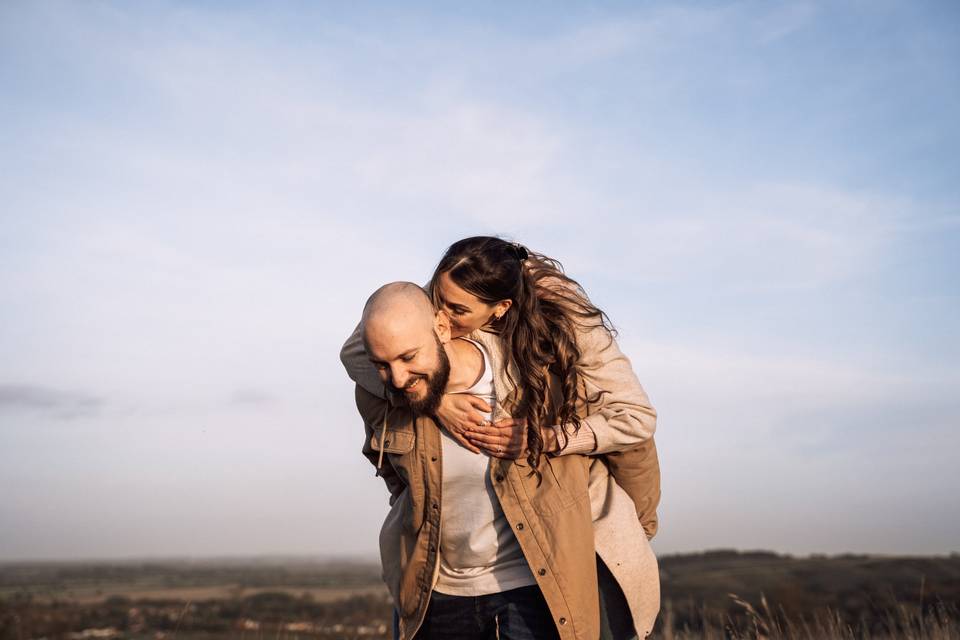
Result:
<point x="436" y="382"/>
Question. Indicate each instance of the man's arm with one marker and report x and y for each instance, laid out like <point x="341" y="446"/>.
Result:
<point x="375" y="413"/>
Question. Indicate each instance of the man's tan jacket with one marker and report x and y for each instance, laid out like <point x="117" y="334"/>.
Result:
<point x="576" y="509"/>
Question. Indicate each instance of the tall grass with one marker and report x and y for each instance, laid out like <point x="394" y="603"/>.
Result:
<point x="898" y="621"/>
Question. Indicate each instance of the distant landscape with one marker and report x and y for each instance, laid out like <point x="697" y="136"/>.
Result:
<point x="717" y="594"/>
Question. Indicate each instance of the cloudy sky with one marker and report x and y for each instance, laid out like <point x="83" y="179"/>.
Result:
<point x="196" y="199"/>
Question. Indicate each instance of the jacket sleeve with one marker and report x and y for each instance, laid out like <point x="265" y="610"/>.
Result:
<point x="374" y="412"/>
<point x="637" y="471"/>
<point x="353" y="355"/>
<point x="619" y="413"/>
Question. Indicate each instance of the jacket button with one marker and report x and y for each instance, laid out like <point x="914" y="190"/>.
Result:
<point x="499" y="477"/>
<point x="520" y="526"/>
<point x="563" y="621"/>
<point x="386" y="443"/>
<point x="542" y="572"/>
<point x="436" y="506"/>
<point x="433" y="458"/>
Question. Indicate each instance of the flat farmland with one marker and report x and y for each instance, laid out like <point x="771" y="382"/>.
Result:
<point x="718" y="594"/>
<point x="90" y="595"/>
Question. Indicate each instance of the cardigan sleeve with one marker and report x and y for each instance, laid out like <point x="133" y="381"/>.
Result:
<point x="353" y="355"/>
<point x="619" y="413"/>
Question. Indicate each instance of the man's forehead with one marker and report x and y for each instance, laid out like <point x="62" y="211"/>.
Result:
<point x="391" y="340"/>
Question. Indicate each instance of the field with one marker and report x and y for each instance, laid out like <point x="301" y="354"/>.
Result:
<point x="719" y="594"/>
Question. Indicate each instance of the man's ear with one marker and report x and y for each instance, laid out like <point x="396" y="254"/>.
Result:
<point x="441" y="325"/>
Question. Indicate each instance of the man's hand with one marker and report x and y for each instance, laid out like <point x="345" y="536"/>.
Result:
<point x="508" y="439"/>
<point x="460" y="412"/>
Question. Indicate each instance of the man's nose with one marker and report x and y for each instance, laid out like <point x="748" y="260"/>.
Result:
<point x="399" y="376"/>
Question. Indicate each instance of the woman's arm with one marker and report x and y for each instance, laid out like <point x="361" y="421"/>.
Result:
<point x="353" y="355"/>
<point x="620" y="415"/>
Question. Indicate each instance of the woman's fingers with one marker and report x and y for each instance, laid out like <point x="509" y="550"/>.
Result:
<point x="501" y="440"/>
<point x="480" y="404"/>
<point x="465" y="441"/>
<point x="475" y="418"/>
<point x="484" y="438"/>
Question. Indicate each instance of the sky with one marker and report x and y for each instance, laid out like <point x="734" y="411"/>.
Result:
<point x="197" y="198"/>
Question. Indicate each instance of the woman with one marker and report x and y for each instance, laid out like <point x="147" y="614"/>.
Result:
<point x="541" y="316"/>
<point x="560" y="359"/>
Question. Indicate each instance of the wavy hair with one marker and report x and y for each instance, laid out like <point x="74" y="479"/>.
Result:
<point x="538" y="330"/>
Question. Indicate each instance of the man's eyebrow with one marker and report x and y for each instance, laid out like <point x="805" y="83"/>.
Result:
<point x="408" y="352"/>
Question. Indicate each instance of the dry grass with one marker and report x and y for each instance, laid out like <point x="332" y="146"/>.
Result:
<point x="762" y="622"/>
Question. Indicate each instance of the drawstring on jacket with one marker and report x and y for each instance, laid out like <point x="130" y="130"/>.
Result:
<point x="383" y="438"/>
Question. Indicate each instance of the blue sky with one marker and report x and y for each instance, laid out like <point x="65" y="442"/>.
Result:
<point x="197" y="199"/>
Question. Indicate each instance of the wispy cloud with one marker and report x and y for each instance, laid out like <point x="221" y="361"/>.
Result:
<point x="66" y="405"/>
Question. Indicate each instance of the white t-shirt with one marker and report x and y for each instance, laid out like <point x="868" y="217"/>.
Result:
<point x="479" y="553"/>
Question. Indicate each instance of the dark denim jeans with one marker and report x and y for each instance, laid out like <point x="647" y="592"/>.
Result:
<point x="616" y="623"/>
<point x="517" y="614"/>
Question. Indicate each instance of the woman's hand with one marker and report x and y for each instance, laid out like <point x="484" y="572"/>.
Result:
<point x="460" y="412"/>
<point x="508" y="439"/>
<point x="504" y="439"/>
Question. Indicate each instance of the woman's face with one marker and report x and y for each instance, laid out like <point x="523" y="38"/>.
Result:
<point x="467" y="312"/>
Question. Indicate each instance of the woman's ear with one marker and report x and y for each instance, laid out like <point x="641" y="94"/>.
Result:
<point x="501" y="308"/>
<point x="441" y="325"/>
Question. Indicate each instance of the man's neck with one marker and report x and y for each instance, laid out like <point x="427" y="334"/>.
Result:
<point x="466" y="364"/>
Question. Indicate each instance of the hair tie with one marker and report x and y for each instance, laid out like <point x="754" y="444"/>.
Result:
<point x="519" y="251"/>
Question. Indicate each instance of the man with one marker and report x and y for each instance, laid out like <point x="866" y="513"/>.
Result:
<point x="547" y="516"/>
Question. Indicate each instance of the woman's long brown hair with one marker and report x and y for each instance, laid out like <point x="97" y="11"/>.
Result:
<point x="538" y="330"/>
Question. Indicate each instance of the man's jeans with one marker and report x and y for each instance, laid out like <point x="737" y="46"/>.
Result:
<point x="517" y="614"/>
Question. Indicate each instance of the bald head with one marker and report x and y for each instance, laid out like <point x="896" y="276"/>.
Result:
<point x="398" y="303"/>
<point x="403" y="336"/>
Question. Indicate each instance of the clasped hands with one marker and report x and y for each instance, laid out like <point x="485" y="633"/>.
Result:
<point x="462" y="416"/>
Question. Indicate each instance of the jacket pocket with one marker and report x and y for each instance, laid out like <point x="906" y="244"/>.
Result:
<point x="399" y="441"/>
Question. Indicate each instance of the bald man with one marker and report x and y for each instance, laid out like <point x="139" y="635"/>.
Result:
<point x="409" y="344"/>
<point x="465" y="570"/>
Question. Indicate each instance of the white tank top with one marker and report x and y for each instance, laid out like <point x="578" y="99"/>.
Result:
<point x="479" y="553"/>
